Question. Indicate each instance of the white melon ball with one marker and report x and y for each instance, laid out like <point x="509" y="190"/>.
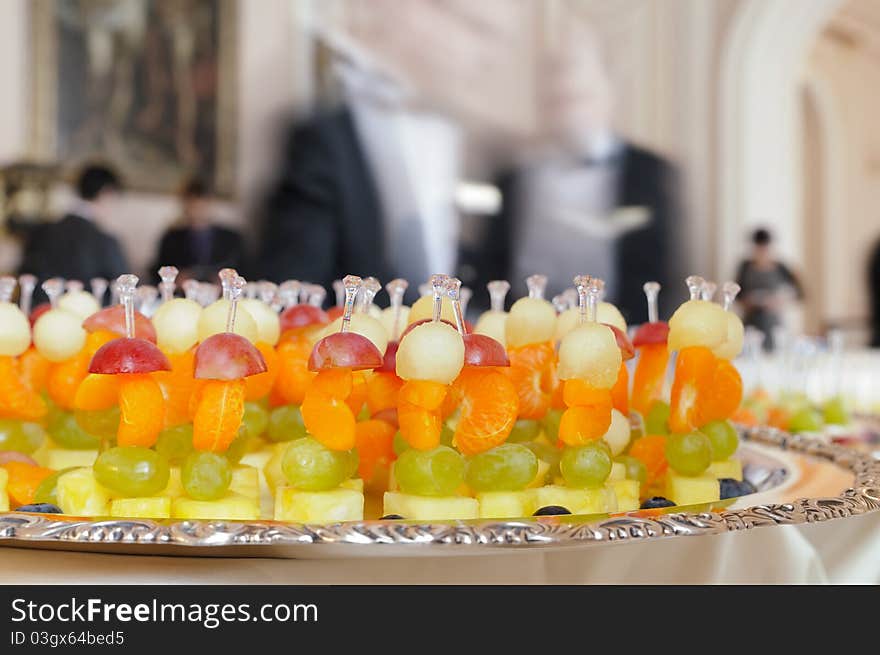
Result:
<point x="566" y="322"/>
<point x="80" y="303"/>
<point x="608" y="313"/>
<point x="387" y="319"/>
<point x="493" y="324"/>
<point x="697" y="323"/>
<point x="590" y="353"/>
<point x="431" y="351"/>
<point x="618" y="433"/>
<point x="59" y="335"/>
<point x="531" y="320"/>
<point x="424" y="308"/>
<point x="15" y="330"/>
<point x="733" y="344"/>
<point x="365" y="325"/>
<point x="212" y="320"/>
<point x="177" y="325"/>
<point x="268" y="323"/>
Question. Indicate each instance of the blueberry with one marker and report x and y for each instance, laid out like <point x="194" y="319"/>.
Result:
<point x="657" y="501"/>
<point x="391" y="517"/>
<point x="551" y="510"/>
<point x="41" y="508"/>
<point x="731" y="488"/>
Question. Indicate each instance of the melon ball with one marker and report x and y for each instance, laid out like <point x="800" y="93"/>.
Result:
<point x="177" y="325"/>
<point x="212" y="320"/>
<point x="590" y="353"/>
<point x="608" y="313"/>
<point x="59" y="335"/>
<point x="733" y="344"/>
<point x="15" y="330"/>
<point x="424" y="308"/>
<point x="697" y="323"/>
<point x="268" y="323"/>
<point x="566" y="322"/>
<point x="387" y="320"/>
<point x="531" y="320"/>
<point x="431" y="351"/>
<point x="493" y="324"/>
<point x="618" y="433"/>
<point x="80" y="303"/>
<point x="365" y="325"/>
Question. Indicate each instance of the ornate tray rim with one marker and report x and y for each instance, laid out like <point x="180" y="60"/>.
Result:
<point x="253" y="538"/>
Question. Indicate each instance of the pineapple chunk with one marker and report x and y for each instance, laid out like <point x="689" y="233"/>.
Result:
<point x="80" y="494"/>
<point x="503" y="504"/>
<point x="155" y="507"/>
<point x="232" y="507"/>
<point x="4" y="497"/>
<point x="41" y="454"/>
<point x="355" y="484"/>
<point x="540" y="476"/>
<point x="60" y="458"/>
<point x="726" y="468"/>
<point x="627" y="493"/>
<point x="618" y="472"/>
<point x="174" y="488"/>
<point x="272" y="470"/>
<point x="245" y="481"/>
<point x="430" y="508"/>
<point x="599" y="500"/>
<point x="338" y="504"/>
<point x="692" y="490"/>
<point x="258" y="459"/>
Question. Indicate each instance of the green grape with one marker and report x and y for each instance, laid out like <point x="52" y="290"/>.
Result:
<point x="437" y="472"/>
<point x="447" y="433"/>
<point x="689" y="453"/>
<point x="806" y="419"/>
<point x="285" y="424"/>
<point x="99" y="422"/>
<point x="309" y="465"/>
<point x="722" y="437"/>
<point x="656" y="422"/>
<point x="635" y="469"/>
<point x="67" y="432"/>
<point x="175" y="443"/>
<point x="45" y="492"/>
<point x="21" y="436"/>
<point x="550" y="423"/>
<point x="54" y="413"/>
<point x="546" y="453"/>
<point x="255" y="419"/>
<point x="240" y="446"/>
<point x="524" y="430"/>
<point x="132" y="471"/>
<point x="400" y="444"/>
<point x="205" y="475"/>
<point x="508" y="467"/>
<point x="837" y="412"/>
<point x="585" y="466"/>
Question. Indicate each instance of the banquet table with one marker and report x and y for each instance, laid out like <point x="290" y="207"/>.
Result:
<point x="840" y="551"/>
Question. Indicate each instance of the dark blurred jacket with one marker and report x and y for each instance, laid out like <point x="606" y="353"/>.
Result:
<point x="201" y="254"/>
<point x="324" y="215"/>
<point x="73" y="248"/>
<point x="647" y="253"/>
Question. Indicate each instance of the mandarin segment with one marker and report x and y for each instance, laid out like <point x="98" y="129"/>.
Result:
<point x="488" y="412"/>
<point x="142" y="411"/>
<point x="219" y="410"/>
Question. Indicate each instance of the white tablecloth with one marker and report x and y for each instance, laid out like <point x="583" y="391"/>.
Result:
<point x="840" y="551"/>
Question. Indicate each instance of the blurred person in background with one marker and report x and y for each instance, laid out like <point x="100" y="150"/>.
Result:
<point x="75" y="247"/>
<point x="767" y="286"/>
<point x="195" y="244"/>
<point x="369" y="186"/>
<point x="588" y="199"/>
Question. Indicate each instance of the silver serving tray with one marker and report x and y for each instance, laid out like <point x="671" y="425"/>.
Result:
<point x="799" y="480"/>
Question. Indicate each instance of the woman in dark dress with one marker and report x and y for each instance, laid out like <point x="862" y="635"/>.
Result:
<point x="766" y="285"/>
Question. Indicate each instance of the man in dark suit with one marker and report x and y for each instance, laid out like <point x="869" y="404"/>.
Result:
<point x="197" y="247"/>
<point x="75" y="248"/>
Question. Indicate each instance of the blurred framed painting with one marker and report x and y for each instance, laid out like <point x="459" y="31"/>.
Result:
<point x="147" y="85"/>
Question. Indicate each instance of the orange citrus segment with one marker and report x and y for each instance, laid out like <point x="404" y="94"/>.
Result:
<point x="723" y="396"/>
<point x="694" y="370"/>
<point x="293" y="374"/>
<point x="23" y="482"/>
<point x="141" y="410"/>
<point x="582" y="424"/>
<point x="531" y="371"/>
<point x="649" y="376"/>
<point x="358" y="395"/>
<point x="17" y="400"/>
<point x="33" y="369"/>
<point x="375" y="444"/>
<point x="177" y="387"/>
<point x="577" y="393"/>
<point x="651" y="451"/>
<point x="423" y="393"/>
<point x="97" y="392"/>
<point x="419" y="427"/>
<point x="382" y="390"/>
<point x="620" y="391"/>
<point x="329" y="420"/>
<point x="64" y="379"/>
<point x="259" y="385"/>
<point x="219" y="410"/>
<point x="489" y="409"/>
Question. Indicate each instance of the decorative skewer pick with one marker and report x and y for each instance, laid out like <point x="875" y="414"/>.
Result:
<point x="27" y="283"/>
<point x="652" y="291"/>
<point x="352" y="284"/>
<point x="396" y="290"/>
<point x="53" y="287"/>
<point x="168" y="274"/>
<point x="497" y="293"/>
<point x="99" y="288"/>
